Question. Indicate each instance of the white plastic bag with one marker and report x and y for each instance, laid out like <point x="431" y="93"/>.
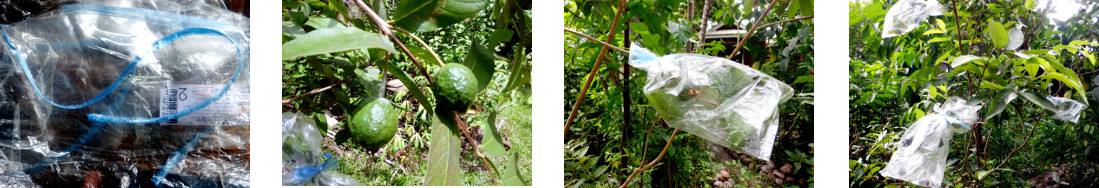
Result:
<point x="907" y="15"/>
<point x="304" y="163"/>
<point x="920" y="157"/>
<point x="722" y="101"/>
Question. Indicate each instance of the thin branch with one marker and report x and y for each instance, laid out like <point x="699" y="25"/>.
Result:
<point x="653" y="163"/>
<point x="383" y="26"/>
<point x="1030" y="135"/>
<point x="605" y="44"/>
<point x="753" y="31"/>
<point x="462" y="126"/>
<point x="744" y="38"/>
<point x="595" y="68"/>
<point x="705" y="17"/>
<point x="316" y="91"/>
<point x="422" y="43"/>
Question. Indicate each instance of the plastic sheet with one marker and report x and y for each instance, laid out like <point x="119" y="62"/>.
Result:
<point x="920" y="157"/>
<point x="1063" y="108"/>
<point x="906" y="15"/>
<point x="722" y="101"/>
<point x="125" y="93"/>
<point x="303" y="161"/>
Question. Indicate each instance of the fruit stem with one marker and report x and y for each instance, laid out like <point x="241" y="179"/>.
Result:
<point x="462" y="126"/>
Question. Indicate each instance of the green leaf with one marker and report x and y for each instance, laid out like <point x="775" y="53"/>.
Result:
<point x="1015" y="38"/>
<point x="322" y="41"/>
<point x="292" y="29"/>
<point x="423" y="55"/>
<point x="519" y="70"/>
<point x="962" y="60"/>
<point x="938" y="39"/>
<point x="1037" y="52"/>
<point x="322" y="22"/>
<point x="932" y="31"/>
<point x="412" y="86"/>
<point x="940" y="23"/>
<point x="1037" y="99"/>
<point x="443" y="156"/>
<point x="429" y="15"/>
<point x="806" y="7"/>
<point x="511" y="176"/>
<point x="998" y="33"/>
<point x="500" y="35"/>
<point x="748" y="6"/>
<point x="492" y="142"/>
<point x="998" y="104"/>
<point x="482" y="62"/>
<point x="802" y="79"/>
<point x="1074" y="83"/>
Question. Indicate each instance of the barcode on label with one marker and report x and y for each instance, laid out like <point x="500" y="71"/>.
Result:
<point x="173" y="96"/>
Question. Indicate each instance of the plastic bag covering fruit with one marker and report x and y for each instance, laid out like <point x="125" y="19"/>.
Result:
<point x="920" y="157"/>
<point x="714" y="98"/>
<point x="373" y="124"/>
<point x="302" y="159"/>
<point x="455" y="86"/>
<point x="82" y="94"/>
<point x="906" y="15"/>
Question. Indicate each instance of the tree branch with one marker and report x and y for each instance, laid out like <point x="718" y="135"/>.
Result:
<point x="744" y="38"/>
<point x="383" y="26"/>
<point x="753" y="31"/>
<point x="422" y="43"/>
<point x="605" y="44"/>
<point x="651" y="164"/>
<point x="595" y="68"/>
<point x="462" y="126"/>
<point x="316" y="91"/>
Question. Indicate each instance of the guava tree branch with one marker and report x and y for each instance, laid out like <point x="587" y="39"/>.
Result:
<point x="746" y="36"/>
<point x="383" y="26"/>
<point x="651" y="164"/>
<point x="462" y="126"/>
<point x="316" y="91"/>
<point x="422" y="43"/>
<point x="605" y="44"/>
<point x="595" y="69"/>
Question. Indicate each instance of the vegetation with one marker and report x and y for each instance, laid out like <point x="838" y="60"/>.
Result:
<point x="338" y="55"/>
<point x="614" y="136"/>
<point x="990" y="53"/>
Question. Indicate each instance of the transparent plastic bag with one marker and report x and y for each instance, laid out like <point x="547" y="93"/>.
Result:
<point x="126" y="93"/>
<point x="722" y="101"/>
<point x="920" y="157"/>
<point x="906" y="15"/>
<point x="304" y="163"/>
<point x="1063" y="108"/>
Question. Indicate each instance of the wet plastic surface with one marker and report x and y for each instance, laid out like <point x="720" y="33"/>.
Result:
<point x="82" y="97"/>
<point x="921" y="154"/>
<point x="303" y="161"/>
<point x="722" y="101"/>
<point x="906" y="15"/>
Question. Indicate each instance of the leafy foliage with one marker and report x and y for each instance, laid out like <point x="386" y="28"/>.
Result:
<point x="335" y="59"/>
<point x="608" y="142"/>
<point x="989" y="52"/>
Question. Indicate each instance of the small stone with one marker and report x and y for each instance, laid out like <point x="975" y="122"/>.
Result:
<point x="780" y="175"/>
<point x="803" y="181"/>
<point x="778" y="181"/>
<point x="729" y="184"/>
<point x="718" y="184"/>
<point x="765" y="169"/>
<point x="787" y="168"/>
<point x="745" y="159"/>
<point x="725" y="174"/>
<point x="790" y="179"/>
<point x="771" y="163"/>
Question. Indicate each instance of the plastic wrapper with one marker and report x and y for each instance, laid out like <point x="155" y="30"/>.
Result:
<point x="722" y="101"/>
<point x="303" y="161"/>
<point x="906" y="15"/>
<point x="1063" y="108"/>
<point x="123" y="94"/>
<point x="920" y="157"/>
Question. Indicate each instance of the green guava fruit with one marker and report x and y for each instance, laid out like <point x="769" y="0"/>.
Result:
<point x="374" y="124"/>
<point x="455" y="87"/>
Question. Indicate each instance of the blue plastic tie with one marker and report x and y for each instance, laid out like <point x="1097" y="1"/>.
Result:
<point x="178" y="156"/>
<point x="155" y="46"/>
<point x="306" y="173"/>
<point x="94" y="130"/>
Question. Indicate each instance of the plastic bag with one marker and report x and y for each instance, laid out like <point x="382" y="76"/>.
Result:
<point x="906" y="15"/>
<point x="1063" y="108"/>
<point x="714" y="98"/>
<point x="920" y="157"/>
<point x="126" y="93"/>
<point x="303" y="161"/>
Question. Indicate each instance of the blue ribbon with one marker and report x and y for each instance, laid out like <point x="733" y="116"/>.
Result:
<point x="178" y="156"/>
<point x="952" y="120"/>
<point x="306" y="173"/>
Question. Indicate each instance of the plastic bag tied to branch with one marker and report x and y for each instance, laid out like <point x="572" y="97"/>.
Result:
<point x="304" y="163"/>
<point x="906" y="15"/>
<point x="92" y="93"/>
<point x="719" y="100"/>
<point x="920" y="156"/>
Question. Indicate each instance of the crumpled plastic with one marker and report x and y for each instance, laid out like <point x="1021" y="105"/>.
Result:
<point x="717" y="99"/>
<point x="304" y="163"/>
<point x="82" y="97"/>
<point x="1063" y="108"/>
<point x="920" y="157"/>
<point x="906" y="15"/>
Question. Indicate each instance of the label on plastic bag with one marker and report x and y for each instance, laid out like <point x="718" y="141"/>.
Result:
<point x="230" y="109"/>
